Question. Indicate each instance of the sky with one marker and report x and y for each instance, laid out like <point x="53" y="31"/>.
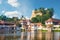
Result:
<point x="17" y="8"/>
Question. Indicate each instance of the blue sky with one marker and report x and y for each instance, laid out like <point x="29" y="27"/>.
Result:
<point x="17" y="8"/>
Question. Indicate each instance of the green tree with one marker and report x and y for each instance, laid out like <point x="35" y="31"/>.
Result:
<point x="0" y="17"/>
<point x="34" y="20"/>
<point x="3" y="17"/>
<point x="41" y="10"/>
<point x="38" y="17"/>
<point x="46" y="15"/>
<point x="50" y="11"/>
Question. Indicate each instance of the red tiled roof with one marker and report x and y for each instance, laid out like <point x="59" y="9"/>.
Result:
<point x="5" y="23"/>
<point x="52" y="20"/>
<point x="56" y="20"/>
<point x="8" y="23"/>
<point x="49" y="20"/>
<point x="36" y="23"/>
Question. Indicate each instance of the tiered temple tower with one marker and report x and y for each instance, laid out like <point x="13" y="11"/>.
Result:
<point x="34" y="13"/>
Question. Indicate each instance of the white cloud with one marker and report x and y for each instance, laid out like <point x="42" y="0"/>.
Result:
<point x="13" y="3"/>
<point x="3" y="11"/>
<point x="0" y="1"/>
<point x="12" y="14"/>
<point x="27" y="17"/>
<point x="45" y="8"/>
<point x="54" y="16"/>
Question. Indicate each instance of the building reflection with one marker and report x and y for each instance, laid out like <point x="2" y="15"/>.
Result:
<point x="32" y="35"/>
<point x="49" y="36"/>
<point x="2" y="37"/>
<point x="22" y="35"/>
<point x="28" y="35"/>
<point x="56" y="35"/>
<point x="38" y="35"/>
<point x="15" y="37"/>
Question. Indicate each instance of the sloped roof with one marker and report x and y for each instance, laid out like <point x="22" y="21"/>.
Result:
<point x="5" y="23"/>
<point x="56" y="20"/>
<point x="52" y="20"/>
<point x="36" y="23"/>
<point x="49" y="20"/>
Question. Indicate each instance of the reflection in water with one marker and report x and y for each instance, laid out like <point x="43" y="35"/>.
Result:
<point x="14" y="37"/>
<point x="2" y="37"/>
<point x="22" y="35"/>
<point x="38" y="35"/>
<point x="56" y="35"/>
<point x="29" y="35"/>
<point x="32" y="35"/>
<point x="49" y="35"/>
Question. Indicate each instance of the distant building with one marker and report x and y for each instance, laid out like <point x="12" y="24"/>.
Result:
<point x="34" y="26"/>
<point x="6" y="24"/>
<point x="24" y="22"/>
<point x="27" y="24"/>
<point x="52" y="21"/>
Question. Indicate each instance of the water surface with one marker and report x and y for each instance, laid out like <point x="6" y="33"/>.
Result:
<point x="29" y="35"/>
